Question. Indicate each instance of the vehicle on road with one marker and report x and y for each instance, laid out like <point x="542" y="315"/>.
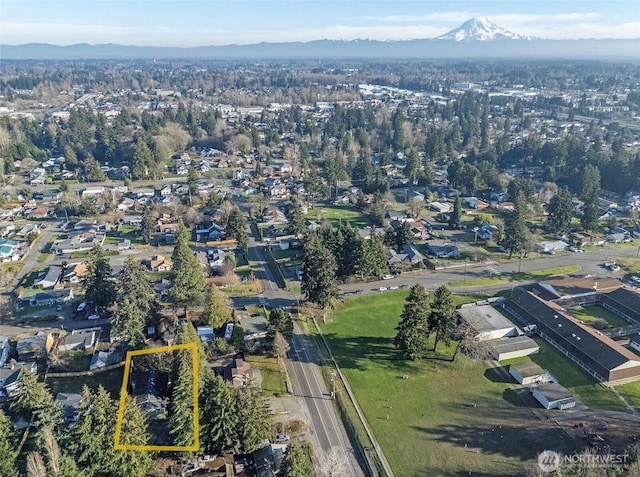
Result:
<point x="95" y="316"/>
<point x="383" y="289"/>
<point x="59" y="307"/>
<point x="394" y="287"/>
<point x="387" y="277"/>
<point x="81" y="306"/>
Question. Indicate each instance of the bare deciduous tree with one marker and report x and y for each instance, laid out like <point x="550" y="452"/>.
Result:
<point x="332" y="463"/>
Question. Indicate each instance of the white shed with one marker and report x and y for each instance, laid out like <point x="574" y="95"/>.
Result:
<point x="553" y="396"/>
<point x="528" y="373"/>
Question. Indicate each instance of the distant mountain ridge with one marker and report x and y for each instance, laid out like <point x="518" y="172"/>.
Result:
<point x="476" y="38"/>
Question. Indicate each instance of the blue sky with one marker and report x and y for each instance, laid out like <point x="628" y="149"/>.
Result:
<point x="221" y="22"/>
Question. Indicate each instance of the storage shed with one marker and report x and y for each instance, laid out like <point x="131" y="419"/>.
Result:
<point x="553" y="396"/>
<point x="528" y="373"/>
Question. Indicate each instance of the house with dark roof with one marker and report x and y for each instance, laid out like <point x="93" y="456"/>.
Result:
<point x="149" y="388"/>
<point x="599" y="355"/>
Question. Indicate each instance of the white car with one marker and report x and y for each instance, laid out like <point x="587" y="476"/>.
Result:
<point x="282" y="438"/>
<point x="95" y="316"/>
<point x="383" y="288"/>
<point x="387" y="277"/>
<point x="635" y="278"/>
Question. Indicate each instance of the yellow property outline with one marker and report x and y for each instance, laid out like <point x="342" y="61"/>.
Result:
<point x="123" y="394"/>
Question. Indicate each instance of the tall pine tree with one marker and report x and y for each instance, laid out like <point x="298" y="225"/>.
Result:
<point x="413" y="328"/>
<point x="319" y="269"/>
<point x="442" y="318"/>
<point x="187" y="278"/>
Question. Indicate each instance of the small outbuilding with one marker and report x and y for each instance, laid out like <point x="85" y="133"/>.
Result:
<point x="528" y="373"/>
<point x="512" y="347"/>
<point x="553" y="396"/>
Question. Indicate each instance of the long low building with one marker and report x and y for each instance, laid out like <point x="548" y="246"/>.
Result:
<point x="599" y="355"/>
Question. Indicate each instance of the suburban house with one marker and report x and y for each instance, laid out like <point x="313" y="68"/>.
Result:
<point x="34" y="347"/>
<point x="48" y="278"/>
<point x="583" y="238"/>
<point x="52" y="297"/>
<point x="475" y="203"/>
<point x="239" y="373"/>
<point x="102" y="359"/>
<point x="273" y="215"/>
<point x="212" y="232"/>
<point x="441" y="207"/>
<point x="7" y="247"/>
<point x="443" y="251"/>
<point x="618" y="235"/>
<point x="77" y="341"/>
<point x="70" y="406"/>
<point x="76" y="244"/>
<point x="551" y="247"/>
<point x="149" y="388"/>
<point x="412" y="253"/>
<point x="10" y="374"/>
<point x="75" y="273"/>
<point x="158" y="263"/>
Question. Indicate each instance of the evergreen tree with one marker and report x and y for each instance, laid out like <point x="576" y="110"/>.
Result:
<point x="141" y="160"/>
<point x="590" y="212"/>
<point x="128" y="323"/>
<point x="373" y="259"/>
<point x="442" y="318"/>
<point x="186" y="275"/>
<point x="296" y="218"/>
<point x="279" y="321"/>
<point x="219" y="416"/>
<point x="255" y="421"/>
<point x="216" y="311"/>
<point x="560" y="211"/>
<point x="515" y="230"/>
<point x="99" y="285"/>
<point x="590" y="182"/>
<point x="318" y="272"/>
<point x="135" y="285"/>
<point x="413" y="328"/>
<point x="92" y="438"/>
<point x="8" y="450"/>
<point x="455" y="218"/>
<point x="92" y="171"/>
<point x="296" y="462"/>
<point x="237" y="227"/>
<point x="403" y="235"/>
<point x="181" y="423"/>
<point x="34" y="400"/>
<point x="148" y="225"/>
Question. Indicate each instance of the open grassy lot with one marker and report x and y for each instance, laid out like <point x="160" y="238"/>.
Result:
<point x="631" y="392"/>
<point x="273" y="380"/>
<point x="589" y="314"/>
<point x="532" y="275"/>
<point x="110" y="380"/>
<point x="337" y="213"/>
<point x="426" y="424"/>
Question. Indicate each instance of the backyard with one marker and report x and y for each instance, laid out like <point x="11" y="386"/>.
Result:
<point x="435" y="429"/>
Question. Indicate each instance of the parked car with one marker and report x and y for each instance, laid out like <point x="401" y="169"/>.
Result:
<point x="95" y="316"/>
<point x="635" y="279"/>
<point x="387" y="277"/>
<point x="282" y="438"/>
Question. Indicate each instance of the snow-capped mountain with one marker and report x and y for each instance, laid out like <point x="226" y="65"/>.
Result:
<point x="481" y="29"/>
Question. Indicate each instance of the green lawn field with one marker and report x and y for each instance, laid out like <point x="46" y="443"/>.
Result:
<point x="340" y="213"/>
<point x="589" y="314"/>
<point x="426" y="424"/>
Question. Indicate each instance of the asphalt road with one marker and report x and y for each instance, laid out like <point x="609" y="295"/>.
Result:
<point x="326" y="429"/>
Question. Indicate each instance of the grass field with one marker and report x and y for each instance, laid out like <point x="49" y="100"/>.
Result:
<point x="426" y="424"/>
<point x="335" y="214"/>
<point x="589" y="314"/>
<point x="515" y="277"/>
<point x="110" y="380"/>
<point x="273" y="381"/>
